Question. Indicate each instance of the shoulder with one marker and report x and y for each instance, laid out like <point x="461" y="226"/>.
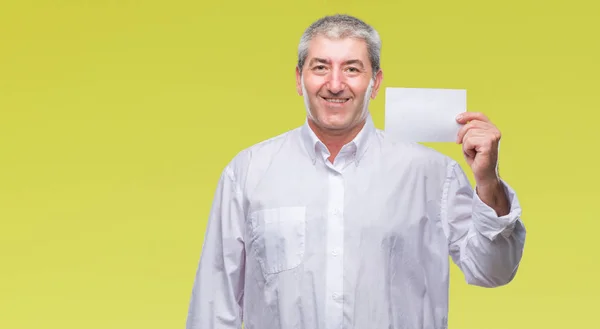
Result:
<point x="259" y="154"/>
<point x="411" y="152"/>
<point x="411" y="160"/>
<point x="263" y="149"/>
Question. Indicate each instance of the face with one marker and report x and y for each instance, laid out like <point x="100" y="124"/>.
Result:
<point x="337" y="82"/>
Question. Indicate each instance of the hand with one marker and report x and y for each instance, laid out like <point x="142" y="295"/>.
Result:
<point x="480" y="140"/>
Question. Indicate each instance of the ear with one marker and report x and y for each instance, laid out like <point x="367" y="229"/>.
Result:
<point x="298" y="81"/>
<point x="377" y="83"/>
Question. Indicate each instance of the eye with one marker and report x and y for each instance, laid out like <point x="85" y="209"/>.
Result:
<point x="319" y="67"/>
<point x="353" y="70"/>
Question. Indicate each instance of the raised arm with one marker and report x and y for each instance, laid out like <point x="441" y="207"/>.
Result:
<point x="486" y="245"/>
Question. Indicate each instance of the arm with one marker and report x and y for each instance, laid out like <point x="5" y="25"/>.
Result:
<point x="486" y="246"/>
<point x="494" y="194"/>
<point x="216" y="301"/>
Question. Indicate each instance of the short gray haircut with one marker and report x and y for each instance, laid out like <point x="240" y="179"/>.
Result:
<point x="342" y="26"/>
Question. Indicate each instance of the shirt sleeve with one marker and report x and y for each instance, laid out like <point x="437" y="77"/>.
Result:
<point x="486" y="247"/>
<point x="216" y="300"/>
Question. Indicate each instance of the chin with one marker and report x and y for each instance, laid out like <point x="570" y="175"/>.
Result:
<point x="335" y="122"/>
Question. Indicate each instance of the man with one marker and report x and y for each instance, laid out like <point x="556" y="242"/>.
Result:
<point x="333" y="225"/>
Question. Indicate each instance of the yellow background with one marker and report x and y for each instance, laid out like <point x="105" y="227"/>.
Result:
<point x="117" y="117"/>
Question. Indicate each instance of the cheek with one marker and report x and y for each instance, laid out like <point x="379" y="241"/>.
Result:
<point x="359" y="90"/>
<point x="312" y="85"/>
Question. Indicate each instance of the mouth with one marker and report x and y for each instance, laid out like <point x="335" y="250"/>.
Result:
<point x="335" y="100"/>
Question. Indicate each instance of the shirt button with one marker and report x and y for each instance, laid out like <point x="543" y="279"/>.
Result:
<point x="335" y="252"/>
<point x="335" y="296"/>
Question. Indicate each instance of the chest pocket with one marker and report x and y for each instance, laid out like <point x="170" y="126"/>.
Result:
<point x="278" y="238"/>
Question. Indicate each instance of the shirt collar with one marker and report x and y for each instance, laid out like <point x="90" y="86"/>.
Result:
<point x="359" y="143"/>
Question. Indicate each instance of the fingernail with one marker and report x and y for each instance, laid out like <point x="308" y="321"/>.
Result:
<point x="458" y="117"/>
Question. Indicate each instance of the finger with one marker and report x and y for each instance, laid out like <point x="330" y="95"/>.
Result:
<point x="473" y="142"/>
<point x="475" y="124"/>
<point x="470" y="145"/>
<point x="460" y="137"/>
<point x="465" y="117"/>
<point x="481" y="141"/>
<point x="468" y="126"/>
<point x="485" y="130"/>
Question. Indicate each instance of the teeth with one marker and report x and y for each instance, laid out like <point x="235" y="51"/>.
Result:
<point x="335" y="100"/>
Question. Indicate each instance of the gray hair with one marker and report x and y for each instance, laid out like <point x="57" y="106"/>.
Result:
<point x="342" y="26"/>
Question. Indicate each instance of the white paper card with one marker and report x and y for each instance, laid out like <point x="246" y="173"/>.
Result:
<point x="423" y="114"/>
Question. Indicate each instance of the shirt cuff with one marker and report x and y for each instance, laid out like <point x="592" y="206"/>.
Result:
<point x="488" y="223"/>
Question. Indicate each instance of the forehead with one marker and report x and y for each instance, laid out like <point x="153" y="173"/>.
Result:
<point x="338" y="50"/>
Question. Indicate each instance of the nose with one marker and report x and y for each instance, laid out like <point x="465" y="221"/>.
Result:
<point x="336" y="83"/>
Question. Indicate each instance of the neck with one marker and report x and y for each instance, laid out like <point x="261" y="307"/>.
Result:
<point x="334" y="140"/>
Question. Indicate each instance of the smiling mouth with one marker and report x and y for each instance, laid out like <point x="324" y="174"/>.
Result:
<point x="336" y="100"/>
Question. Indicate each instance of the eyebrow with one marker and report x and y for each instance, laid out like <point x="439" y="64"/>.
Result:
<point x="354" y="61"/>
<point x="348" y="62"/>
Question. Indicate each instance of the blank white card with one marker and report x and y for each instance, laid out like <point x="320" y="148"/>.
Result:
<point x="423" y="114"/>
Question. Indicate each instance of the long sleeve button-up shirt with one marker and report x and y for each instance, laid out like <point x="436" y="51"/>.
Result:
<point x="296" y="242"/>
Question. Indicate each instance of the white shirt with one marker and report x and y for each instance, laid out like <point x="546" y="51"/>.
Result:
<point x="295" y="242"/>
